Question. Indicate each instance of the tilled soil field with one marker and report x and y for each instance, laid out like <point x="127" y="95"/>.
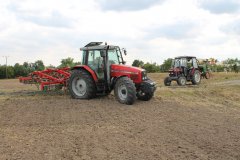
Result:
<point x="39" y="126"/>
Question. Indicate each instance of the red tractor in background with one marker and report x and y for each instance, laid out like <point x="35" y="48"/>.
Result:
<point x="103" y="70"/>
<point x="184" y="68"/>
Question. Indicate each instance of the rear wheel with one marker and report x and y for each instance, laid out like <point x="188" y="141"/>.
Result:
<point x="125" y="91"/>
<point x="167" y="81"/>
<point x="181" y="81"/>
<point x="81" y="85"/>
<point x="196" y="79"/>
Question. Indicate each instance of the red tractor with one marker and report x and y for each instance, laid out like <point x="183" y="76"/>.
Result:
<point x="103" y="70"/>
<point x="184" y="68"/>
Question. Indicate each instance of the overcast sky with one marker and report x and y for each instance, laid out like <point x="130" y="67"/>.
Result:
<point x="151" y="30"/>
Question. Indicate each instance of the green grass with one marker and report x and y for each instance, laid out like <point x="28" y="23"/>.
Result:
<point x="221" y="89"/>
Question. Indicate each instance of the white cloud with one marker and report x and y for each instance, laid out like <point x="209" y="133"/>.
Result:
<point x="150" y="30"/>
<point x="126" y="5"/>
<point x="220" y="6"/>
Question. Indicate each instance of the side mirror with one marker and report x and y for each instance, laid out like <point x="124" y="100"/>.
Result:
<point x="124" y="51"/>
<point x="103" y="53"/>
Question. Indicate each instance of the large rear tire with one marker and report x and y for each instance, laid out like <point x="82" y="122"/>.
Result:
<point x="167" y="81"/>
<point x="81" y="85"/>
<point x="125" y="91"/>
<point x="196" y="79"/>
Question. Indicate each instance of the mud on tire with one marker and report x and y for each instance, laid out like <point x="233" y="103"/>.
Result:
<point x="125" y="91"/>
<point x="81" y="85"/>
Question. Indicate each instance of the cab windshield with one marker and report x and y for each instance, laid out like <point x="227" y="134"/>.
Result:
<point x="114" y="56"/>
<point x="175" y="63"/>
<point x="179" y="62"/>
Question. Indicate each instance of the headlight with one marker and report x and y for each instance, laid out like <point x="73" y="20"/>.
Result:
<point x="144" y="75"/>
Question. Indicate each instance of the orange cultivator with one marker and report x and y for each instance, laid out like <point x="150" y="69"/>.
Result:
<point x="49" y="79"/>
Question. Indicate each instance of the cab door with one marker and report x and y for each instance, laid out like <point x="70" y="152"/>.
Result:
<point x="95" y="62"/>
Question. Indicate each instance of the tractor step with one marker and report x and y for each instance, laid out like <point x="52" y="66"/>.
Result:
<point x="100" y="86"/>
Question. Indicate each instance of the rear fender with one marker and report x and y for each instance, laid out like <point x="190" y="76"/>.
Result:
<point x="88" y="69"/>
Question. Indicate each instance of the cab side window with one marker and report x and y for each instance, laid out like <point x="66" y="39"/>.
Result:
<point x="95" y="62"/>
<point x="195" y="64"/>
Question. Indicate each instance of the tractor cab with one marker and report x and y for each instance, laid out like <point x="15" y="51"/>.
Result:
<point x="100" y="57"/>
<point x="185" y="64"/>
<point x="183" y="69"/>
<point x="103" y="70"/>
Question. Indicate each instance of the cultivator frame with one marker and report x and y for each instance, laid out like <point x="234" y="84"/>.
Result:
<point x="49" y="79"/>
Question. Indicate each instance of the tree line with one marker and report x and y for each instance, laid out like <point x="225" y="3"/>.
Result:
<point x="24" y="69"/>
<point x="153" y="67"/>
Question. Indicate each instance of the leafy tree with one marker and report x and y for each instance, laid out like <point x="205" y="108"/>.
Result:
<point x="216" y="68"/>
<point x="232" y="63"/>
<point x="68" y="62"/>
<point x="166" y="65"/>
<point x="25" y="64"/>
<point x="2" y="72"/>
<point x="10" y="72"/>
<point x="39" y="66"/>
<point x="50" y="66"/>
<point x="138" y="63"/>
<point x="77" y="63"/>
<point x="151" y="68"/>
<point x="20" y="70"/>
<point x="28" y="68"/>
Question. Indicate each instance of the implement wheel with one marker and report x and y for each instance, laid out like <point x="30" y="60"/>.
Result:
<point x="81" y="85"/>
<point x="125" y="91"/>
<point x="207" y="75"/>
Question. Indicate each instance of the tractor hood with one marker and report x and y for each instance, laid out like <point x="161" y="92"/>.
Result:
<point x="126" y="69"/>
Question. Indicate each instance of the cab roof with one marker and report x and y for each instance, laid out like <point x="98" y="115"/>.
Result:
<point x="188" y="57"/>
<point x="97" y="46"/>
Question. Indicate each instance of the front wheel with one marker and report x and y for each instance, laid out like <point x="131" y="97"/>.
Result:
<point x="144" y="96"/>
<point x="167" y="81"/>
<point x="146" y="91"/>
<point x="125" y="91"/>
<point x="181" y="81"/>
